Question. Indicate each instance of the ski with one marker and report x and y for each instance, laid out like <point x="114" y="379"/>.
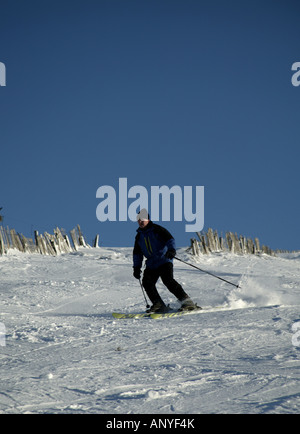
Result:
<point x="123" y="315"/>
<point x="171" y="314"/>
<point x="119" y="315"/>
<point x="175" y="314"/>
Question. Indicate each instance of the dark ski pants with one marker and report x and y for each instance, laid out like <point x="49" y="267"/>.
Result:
<point x="165" y="272"/>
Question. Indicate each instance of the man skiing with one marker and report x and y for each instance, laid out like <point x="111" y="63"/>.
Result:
<point x="158" y="246"/>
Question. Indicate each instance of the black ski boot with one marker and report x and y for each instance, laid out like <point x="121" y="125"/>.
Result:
<point x="188" y="304"/>
<point x="158" y="307"/>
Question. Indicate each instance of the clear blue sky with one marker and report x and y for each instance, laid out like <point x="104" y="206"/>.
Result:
<point x="162" y="92"/>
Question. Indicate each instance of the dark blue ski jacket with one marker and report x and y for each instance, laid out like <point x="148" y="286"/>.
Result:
<point x="153" y="242"/>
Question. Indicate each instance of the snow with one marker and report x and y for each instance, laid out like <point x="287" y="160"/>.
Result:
<point x="64" y="353"/>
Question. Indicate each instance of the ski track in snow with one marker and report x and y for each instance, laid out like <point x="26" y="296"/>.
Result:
<point x="65" y="353"/>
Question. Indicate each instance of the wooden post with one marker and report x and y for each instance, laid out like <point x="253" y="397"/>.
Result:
<point x="74" y="239"/>
<point x="96" y="241"/>
<point x="257" y="246"/>
<point x="81" y="237"/>
<point x="2" y="248"/>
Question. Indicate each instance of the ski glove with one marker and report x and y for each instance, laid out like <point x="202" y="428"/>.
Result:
<point x="137" y="272"/>
<point x="170" y="254"/>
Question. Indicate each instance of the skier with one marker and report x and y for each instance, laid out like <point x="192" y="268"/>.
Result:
<point x="158" y="246"/>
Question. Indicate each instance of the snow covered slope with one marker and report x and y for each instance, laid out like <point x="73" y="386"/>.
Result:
<point x="64" y="353"/>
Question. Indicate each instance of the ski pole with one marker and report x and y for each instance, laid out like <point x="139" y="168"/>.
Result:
<point x="147" y="305"/>
<point x="207" y="272"/>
